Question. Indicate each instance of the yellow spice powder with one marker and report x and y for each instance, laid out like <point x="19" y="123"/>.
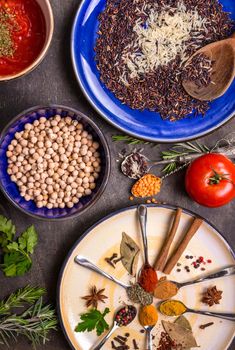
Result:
<point x="148" y="315"/>
<point x="172" y="308"/>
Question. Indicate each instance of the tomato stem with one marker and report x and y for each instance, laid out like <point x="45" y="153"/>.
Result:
<point x="215" y="180"/>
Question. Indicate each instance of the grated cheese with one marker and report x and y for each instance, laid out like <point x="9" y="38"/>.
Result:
<point x="160" y="39"/>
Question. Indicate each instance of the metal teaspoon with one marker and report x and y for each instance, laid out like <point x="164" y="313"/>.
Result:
<point x="148" y="330"/>
<point x="81" y="260"/>
<point x="226" y="271"/>
<point x="142" y="214"/>
<point x="224" y="315"/>
<point x="117" y="324"/>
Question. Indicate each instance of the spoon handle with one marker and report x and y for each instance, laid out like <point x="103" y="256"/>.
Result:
<point x="188" y="158"/>
<point x="225" y="316"/>
<point x="103" y="341"/>
<point x="80" y="260"/>
<point x="226" y="271"/>
<point x="142" y="214"/>
<point x="149" y="340"/>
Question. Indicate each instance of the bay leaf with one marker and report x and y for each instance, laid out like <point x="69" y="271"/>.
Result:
<point x="129" y="251"/>
<point x="135" y="264"/>
<point x="180" y="335"/>
<point x="182" y="321"/>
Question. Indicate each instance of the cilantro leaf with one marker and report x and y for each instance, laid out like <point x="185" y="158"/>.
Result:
<point x="93" y="319"/>
<point x="28" y="240"/>
<point x="15" y="264"/>
<point x="7" y="231"/>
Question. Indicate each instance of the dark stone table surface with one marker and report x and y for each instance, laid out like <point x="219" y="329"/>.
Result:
<point x="54" y="82"/>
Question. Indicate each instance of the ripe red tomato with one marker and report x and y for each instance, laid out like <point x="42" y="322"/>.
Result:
<point x="210" y="180"/>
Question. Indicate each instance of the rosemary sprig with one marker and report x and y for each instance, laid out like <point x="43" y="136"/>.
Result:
<point x="34" y="323"/>
<point x="24" y="295"/>
<point x="131" y="140"/>
<point x="181" y="149"/>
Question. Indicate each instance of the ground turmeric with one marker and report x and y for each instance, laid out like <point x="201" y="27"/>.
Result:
<point x="148" y="315"/>
<point x="172" y="308"/>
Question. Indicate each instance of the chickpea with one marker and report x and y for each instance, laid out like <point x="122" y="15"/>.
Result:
<point x="87" y="191"/>
<point x="54" y="162"/>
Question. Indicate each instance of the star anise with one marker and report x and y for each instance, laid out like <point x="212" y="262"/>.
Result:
<point x="95" y="297"/>
<point x="212" y="296"/>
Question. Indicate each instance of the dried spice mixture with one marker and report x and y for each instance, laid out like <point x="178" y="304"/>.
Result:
<point x="143" y="45"/>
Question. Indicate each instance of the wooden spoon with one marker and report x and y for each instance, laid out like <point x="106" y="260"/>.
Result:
<point x="223" y="70"/>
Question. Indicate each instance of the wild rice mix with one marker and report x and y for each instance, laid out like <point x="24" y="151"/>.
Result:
<point x="142" y="47"/>
<point x="199" y="70"/>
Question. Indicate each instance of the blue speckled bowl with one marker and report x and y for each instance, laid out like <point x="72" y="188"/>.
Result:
<point x="145" y="125"/>
<point x="10" y="189"/>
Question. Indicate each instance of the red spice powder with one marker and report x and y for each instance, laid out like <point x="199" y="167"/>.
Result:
<point x="148" y="279"/>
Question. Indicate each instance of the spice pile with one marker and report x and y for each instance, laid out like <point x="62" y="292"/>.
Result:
<point x="138" y="295"/>
<point x="54" y="162"/>
<point x="141" y="59"/>
<point x="165" y="289"/>
<point x="166" y="343"/>
<point x="134" y="165"/>
<point x="125" y="316"/>
<point x="172" y="308"/>
<point x="148" y="278"/>
<point x="6" y="25"/>
<point x="147" y="186"/>
<point x="148" y="315"/>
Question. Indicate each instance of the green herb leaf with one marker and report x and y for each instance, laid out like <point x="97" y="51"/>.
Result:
<point x="24" y="295"/>
<point x="34" y="323"/>
<point x="93" y="319"/>
<point x="131" y="140"/>
<point x="181" y="149"/>
<point x="7" y="231"/>
<point x="16" y="259"/>
<point x="16" y="264"/>
<point x="28" y="240"/>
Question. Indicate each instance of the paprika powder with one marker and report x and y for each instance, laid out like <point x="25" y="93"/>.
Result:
<point x="148" y="279"/>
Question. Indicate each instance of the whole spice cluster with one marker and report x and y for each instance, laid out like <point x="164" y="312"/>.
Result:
<point x="54" y="162"/>
<point x="125" y="27"/>
<point x="212" y="296"/>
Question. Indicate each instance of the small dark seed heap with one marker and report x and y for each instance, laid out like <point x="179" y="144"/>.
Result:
<point x="160" y="90"/>
<point x="199" y="70"/>
<point x="134" y="165"/>
<point x="165" y="343"/>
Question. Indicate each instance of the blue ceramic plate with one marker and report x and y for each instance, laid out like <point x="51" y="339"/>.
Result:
<point x="10" y="189"/>
<point x="146" y="125"/>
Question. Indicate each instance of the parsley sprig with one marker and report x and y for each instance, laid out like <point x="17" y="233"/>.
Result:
<point x="93" y="319"/>
<point x="16" y="252"/>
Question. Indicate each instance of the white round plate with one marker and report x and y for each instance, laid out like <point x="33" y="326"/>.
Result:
<point x="104" y="238"/>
